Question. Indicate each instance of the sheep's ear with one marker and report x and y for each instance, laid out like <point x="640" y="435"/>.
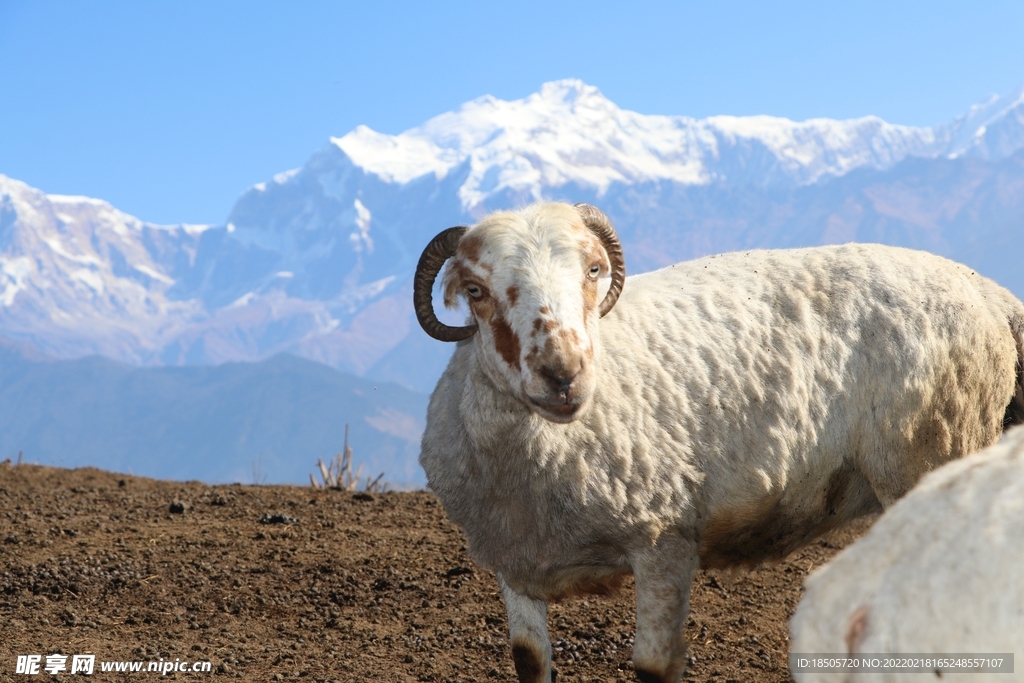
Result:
<point x="439" y="250"/>
<point x="598" y="223"/>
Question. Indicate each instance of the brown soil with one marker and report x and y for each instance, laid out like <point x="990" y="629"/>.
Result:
<point x="361" y="588"/>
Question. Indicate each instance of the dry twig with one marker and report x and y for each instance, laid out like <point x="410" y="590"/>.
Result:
<point x="338" y="473"/>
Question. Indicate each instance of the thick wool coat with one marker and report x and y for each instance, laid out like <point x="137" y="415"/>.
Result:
<point x="748" y="401"/>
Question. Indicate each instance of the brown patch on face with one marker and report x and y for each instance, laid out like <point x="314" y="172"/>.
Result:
<point x="505" y="341"/>
<point x="595" y="254"/>
<point x="571" y="337"/>
<point x="458" y="276"/>
<point x="528" y="664"/>
<point x="483" y="309"/>
<point x="454" y="280"/>
<point x="470" y="252"/>
<point x="513" y="295"/>
<point x="469" y="248"/>
<point x="544" y="310"/>
<point x="537" y="324"/>
<point x="557" y="355"/>
<point x="532" y="355"/>
<point x="855" y="630"/>
<point x="589" y="300"/>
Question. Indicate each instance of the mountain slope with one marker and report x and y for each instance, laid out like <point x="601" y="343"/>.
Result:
<point x="78" y="276"/>
<point x="209" y="423"/>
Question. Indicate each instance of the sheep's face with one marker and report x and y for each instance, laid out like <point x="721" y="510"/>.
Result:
<point x="530" y="279"/>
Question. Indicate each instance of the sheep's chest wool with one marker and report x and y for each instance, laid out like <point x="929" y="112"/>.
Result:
<point x="725" y="411"/>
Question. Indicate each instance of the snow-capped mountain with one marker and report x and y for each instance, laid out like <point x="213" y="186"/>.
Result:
<point x="77" y="276"/>
<point x="317" y="261"/>
<point x="570" y="134"/>
<point x="991" y="130"/>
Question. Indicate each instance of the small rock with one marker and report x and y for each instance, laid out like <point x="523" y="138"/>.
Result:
<point x="177" y="508"/>
<point x="278" y="518"/>
<point x="363" y="495"/>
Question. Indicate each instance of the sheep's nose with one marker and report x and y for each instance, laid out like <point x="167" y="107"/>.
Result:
<point x="559" y="379"/>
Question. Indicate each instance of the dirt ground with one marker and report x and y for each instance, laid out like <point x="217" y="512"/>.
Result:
<point x="359" y="588"/>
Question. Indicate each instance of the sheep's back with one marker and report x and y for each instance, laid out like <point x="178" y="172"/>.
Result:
<point x="801" y="383"/>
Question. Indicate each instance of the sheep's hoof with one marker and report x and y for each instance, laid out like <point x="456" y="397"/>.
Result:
<point x="645" y="676"/>
<point x="528" y="665"/>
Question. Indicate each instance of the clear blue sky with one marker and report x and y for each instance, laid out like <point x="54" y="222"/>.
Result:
<point x="169" y="110"/>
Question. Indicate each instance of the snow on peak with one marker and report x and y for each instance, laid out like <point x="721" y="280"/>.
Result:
<point x="398" y="158"/>
<point x="570" y="93"/>
<point x="569" y="132"/>
<point x="992" y="129"/>
<point x="79" y="276"/>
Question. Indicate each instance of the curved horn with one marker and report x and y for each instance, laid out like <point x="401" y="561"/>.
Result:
<point x="599" y="224"/>
<point x="440" y="249"/>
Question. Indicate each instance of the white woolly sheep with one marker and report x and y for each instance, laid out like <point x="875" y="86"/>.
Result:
<point x="938" y="574"/>
<point x="727" y="410"/>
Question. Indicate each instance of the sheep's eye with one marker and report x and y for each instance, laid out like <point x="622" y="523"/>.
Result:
<point x="473" y="291"/>
<point x="595" y="270"/>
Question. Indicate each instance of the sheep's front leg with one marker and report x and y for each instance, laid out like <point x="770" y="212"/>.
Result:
<point x="663" y="575"/>
<point x="528" y="631"/>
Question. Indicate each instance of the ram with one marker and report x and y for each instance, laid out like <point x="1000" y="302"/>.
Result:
<point x="715" y="413"/>
<point x="938" y="575"/>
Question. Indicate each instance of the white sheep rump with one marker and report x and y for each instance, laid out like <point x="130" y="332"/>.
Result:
<point x="941" y="572"/>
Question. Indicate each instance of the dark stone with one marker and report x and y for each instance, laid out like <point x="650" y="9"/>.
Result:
<point x="278" y="518"/>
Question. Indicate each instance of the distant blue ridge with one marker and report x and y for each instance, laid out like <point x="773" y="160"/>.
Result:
<point x="213" y="424"/>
